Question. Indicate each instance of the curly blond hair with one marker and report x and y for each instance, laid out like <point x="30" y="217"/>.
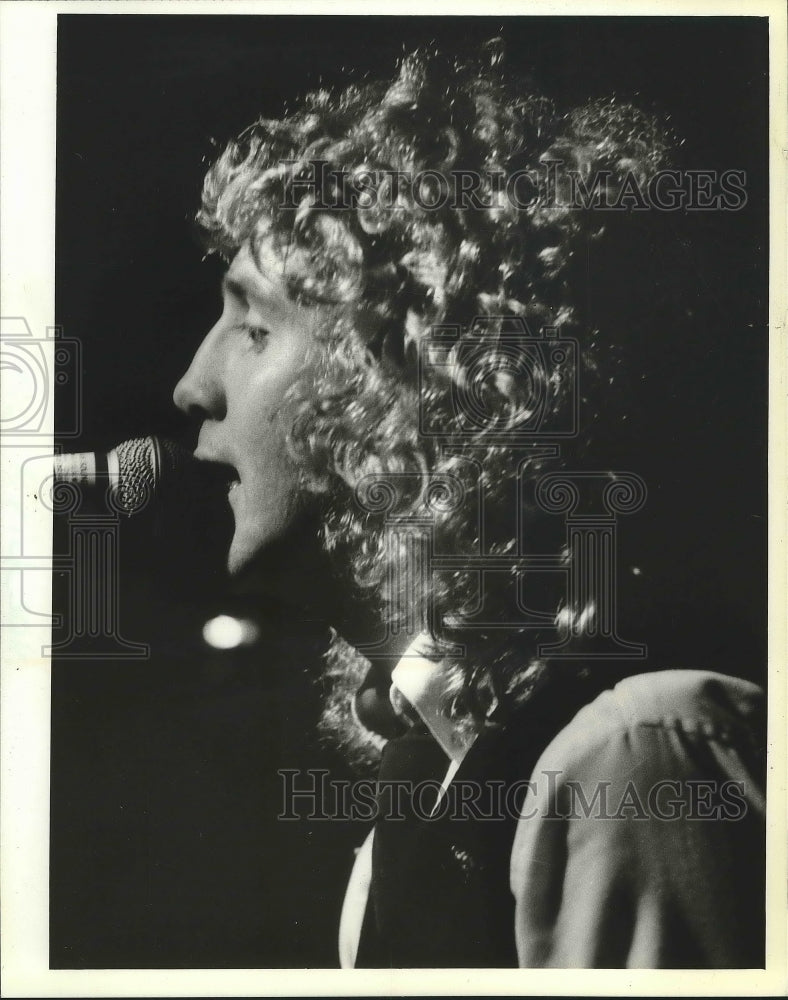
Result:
<point x="408" y="261"/>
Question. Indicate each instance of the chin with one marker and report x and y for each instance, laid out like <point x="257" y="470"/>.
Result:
<point x="258" y="549"/>
<point x="243" y="556"/>
<point x="246" y="548"/>
<point x="236" y="564"/>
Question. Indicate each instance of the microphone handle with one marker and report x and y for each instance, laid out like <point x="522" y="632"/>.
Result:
<point x="87" y="468"/>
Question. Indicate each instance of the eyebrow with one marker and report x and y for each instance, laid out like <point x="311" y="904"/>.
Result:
<point x="246" y="292"/>
<point x="233" y="287"/>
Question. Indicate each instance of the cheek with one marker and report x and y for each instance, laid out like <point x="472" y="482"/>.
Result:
<point x="255" y="418"/>
<point x="260" y="413"/>
<point x="264" y="454"/>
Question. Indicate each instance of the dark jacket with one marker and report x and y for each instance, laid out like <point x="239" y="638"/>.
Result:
<point x="622" y="830"/>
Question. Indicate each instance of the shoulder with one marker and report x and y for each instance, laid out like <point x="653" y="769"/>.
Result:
<point x="614" y="837"/>
<point x="678" y="744"/>
<point x="676" y="705"/>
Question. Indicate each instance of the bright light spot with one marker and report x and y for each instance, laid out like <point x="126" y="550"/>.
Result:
<point x="636" y="571"/>
<point x="226" y="632"/>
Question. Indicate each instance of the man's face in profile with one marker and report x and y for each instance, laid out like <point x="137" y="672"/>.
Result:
<point x="236" y="384"/>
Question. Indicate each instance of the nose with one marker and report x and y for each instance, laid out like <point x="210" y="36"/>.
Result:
<point x="200" y="393"/>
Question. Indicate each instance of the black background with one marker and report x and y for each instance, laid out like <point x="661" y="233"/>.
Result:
<point x="165" y="847"/>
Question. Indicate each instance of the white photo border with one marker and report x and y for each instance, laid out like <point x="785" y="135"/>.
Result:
<point x="28" y="43"/>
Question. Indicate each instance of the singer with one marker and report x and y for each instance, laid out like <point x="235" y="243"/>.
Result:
<point x="401" y="358"/>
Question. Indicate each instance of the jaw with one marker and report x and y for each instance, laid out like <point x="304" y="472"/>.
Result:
<point x="289" y="569"/>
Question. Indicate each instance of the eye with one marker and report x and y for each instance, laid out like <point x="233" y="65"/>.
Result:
<point x="256" y="334"/>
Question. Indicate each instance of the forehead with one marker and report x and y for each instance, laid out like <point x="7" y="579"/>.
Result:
<point x="256" y="276"/>
<point x="260" y="280"/>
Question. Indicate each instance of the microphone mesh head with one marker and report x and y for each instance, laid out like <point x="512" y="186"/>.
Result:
<point x="144" y="464"/>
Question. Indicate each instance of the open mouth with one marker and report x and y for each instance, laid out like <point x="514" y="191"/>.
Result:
<point x="224" y="475"/>
<point x="230" y="478"/>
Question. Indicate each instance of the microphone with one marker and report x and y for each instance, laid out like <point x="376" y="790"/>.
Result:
<point x="134" y="471"/>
